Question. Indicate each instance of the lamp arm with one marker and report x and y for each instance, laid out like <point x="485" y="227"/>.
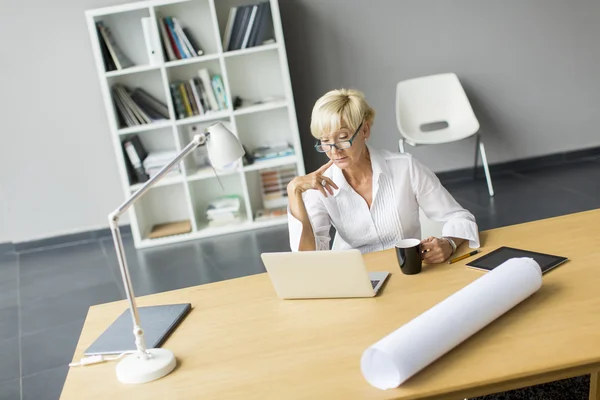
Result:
<point x="113" y="219"/>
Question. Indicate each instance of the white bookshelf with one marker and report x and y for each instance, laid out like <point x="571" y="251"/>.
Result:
<point x="257" y="73"/>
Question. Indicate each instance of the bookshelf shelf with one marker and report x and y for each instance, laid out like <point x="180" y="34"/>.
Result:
<point x="145" y="127"/>
<point x="169" y="180"/>
<point x="212" y="116"/>
<point x="193" y="60"/>
<point x="132" y="70"/>
<point x="208" y="173"/>
<point x="257" y="49"/>
<point x="149" y="65"/>
<point x="261" y="107"/>
<point x="274" y="162"/>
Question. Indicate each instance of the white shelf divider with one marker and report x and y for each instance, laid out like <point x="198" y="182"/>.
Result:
<point x="265" y="79"/>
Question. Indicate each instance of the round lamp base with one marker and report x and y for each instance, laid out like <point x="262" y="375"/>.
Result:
<point x="133" y="369"/>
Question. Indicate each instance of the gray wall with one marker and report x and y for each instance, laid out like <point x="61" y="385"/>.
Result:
<point x="58" y="171"/>
<point x="529" y="66"/>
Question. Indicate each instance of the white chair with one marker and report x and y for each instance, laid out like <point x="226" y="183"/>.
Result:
<point x="435" y="109"/>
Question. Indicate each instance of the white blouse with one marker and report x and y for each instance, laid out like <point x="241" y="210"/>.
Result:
<point x="401" y="185"/>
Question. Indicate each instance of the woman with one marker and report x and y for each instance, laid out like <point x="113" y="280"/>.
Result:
<point x="371" y="197"/>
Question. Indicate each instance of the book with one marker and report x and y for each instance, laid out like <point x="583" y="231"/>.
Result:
<point x="170" y="229"/>
<point x="229" y="27"/>
<point x="149" y="102"/>
<point x="150" y="40"/>
<point x="248" y="27"/>
<point x="193" y="42"/>
<point x="219" y="89"/>
<point x="119" y="58"/>
<point x="166" y="41"/>
<point x="265" y="31"/>
<point x="204" y="76"/>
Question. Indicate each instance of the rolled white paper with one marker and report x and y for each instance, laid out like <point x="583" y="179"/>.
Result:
<point x="401" y="354"/>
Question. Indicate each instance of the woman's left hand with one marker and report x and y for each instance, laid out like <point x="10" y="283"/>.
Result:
<point x="435" y="250"/>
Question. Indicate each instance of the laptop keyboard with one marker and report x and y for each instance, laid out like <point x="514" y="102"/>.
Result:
<point x="374" y="283"/>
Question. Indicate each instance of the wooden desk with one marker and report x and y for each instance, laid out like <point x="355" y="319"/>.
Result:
<point x="240" y="341"/>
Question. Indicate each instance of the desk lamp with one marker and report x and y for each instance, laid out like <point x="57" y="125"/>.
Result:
<point x="145" y="364"/>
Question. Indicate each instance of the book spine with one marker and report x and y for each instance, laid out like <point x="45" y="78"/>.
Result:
<point x="180" y="47"/>
<point x="186" y="101"/>
<point x="177" y="101"/>
<point x="189" y="49"/>
<point x="178" y="56"/>
<point x="205" y="77"/>
<point x="249" y="27"/>
<point x="196" y="96"/>
<point x="190" y="96"/>
<point x="166" y="41"/>
<point x="229" y="28"/>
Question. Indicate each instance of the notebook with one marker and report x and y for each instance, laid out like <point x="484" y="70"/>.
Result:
<point x="158" y="323"/>
<point x="500" y="255"/>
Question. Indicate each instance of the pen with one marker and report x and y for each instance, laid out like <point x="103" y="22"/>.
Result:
<point x="463" y="256"/>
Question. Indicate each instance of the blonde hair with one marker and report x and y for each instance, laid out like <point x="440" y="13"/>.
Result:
<point x="340" y="106"/>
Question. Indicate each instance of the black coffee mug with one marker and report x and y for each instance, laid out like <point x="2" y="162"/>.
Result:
<point x="408" y="252"/>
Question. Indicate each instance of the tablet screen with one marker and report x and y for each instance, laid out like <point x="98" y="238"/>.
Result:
<point x="498" y="256"/>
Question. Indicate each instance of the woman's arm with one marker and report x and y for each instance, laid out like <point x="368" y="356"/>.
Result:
<point x="307" y="240"/>
<point x="439" y="205"/>
<point x="303" y="235"/>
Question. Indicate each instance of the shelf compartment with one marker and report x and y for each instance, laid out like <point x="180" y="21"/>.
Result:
<point x="160" y="205"/>
<point x="184" y="100"/>
<point x="153" y="142"/>
<point x="197" y="164"/>
<point x="267" y="128"/>
<point x="207" y="190"/>
<point x="196" y="18"/>
<point x="151" y="83"/>
<point x="126" y="31"/>
<point x="267" y="188"/>
<point x="266" y="81"/>
<point x="223" y="10"/>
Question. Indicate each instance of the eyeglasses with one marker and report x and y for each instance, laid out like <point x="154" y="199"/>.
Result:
<point x="342" y="144"/>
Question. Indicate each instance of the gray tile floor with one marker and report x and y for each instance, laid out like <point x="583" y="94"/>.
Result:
<point x="45" y="293"/>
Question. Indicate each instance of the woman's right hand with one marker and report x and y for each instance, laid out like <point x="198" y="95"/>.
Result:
<point x="314" y="180"/>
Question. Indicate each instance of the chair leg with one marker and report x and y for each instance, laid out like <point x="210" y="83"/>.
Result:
<point x="476" y="155"/>
<point x="401" y="145"/>
<point x="488" y="178"/>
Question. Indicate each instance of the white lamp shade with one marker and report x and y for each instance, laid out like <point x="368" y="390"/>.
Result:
<point x="223" y="146"/>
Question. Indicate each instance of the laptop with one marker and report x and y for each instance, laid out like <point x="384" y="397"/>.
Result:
<point x="321" y="274"/>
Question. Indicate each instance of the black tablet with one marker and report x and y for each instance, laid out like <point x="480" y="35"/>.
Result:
<point x="491" y="260"/>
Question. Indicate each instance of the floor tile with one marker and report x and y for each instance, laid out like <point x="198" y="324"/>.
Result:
<point x="580" y="178"/>
<point x="51" y="272"/>
<point x="163" y="268"/>
<point x="9" y="322"/>
<point x="9" y="273"/>
<point x="46" y="385"/>
<point x="517" y="199"/>
<point x="9" y="359"/>
<point x="64" y="308"/>
<point x="50" y="348"/>
<point x="10" y="390"/>
<point x="233" y="255"/>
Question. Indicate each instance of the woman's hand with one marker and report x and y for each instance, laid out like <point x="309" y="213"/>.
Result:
<point x="435" y="250"/>
<point x="314" y="180"/>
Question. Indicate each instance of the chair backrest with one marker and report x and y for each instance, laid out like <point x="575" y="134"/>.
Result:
<point x="434" y="109"/>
